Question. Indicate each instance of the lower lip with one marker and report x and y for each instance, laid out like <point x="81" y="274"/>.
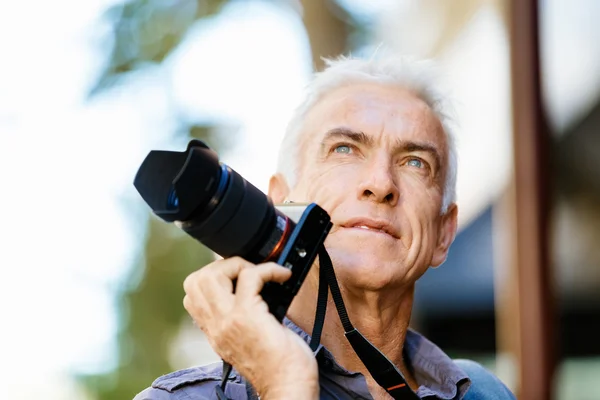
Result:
<point x="370" y="231"/>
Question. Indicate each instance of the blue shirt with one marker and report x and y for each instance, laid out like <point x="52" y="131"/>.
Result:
<point x="438" y="376"/>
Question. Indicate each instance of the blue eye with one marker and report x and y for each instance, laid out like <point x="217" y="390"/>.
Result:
<point x="415" y="162"/>
<point x="342" y="149"/>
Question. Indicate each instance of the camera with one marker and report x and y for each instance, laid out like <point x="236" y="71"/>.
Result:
<point x="215" y="205"/>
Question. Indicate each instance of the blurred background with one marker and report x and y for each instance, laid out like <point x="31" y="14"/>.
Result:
<point x="91" y="292"/>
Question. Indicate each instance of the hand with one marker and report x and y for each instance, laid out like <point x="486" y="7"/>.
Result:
<point x="239" y="327"/>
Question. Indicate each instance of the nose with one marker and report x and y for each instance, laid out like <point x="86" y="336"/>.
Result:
<point x="378" y="183"/>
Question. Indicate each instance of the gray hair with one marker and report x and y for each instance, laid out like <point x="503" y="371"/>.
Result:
<point x="415" y="75"/>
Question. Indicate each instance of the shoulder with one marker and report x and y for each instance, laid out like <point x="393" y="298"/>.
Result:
<point x="197" y="383"/>
<point x="484" y="384"/>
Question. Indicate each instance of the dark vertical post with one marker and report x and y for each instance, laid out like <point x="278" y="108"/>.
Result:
<point x="527" y="313"/>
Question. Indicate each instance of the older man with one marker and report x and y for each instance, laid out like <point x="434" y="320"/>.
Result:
<point x="371" y="145"/>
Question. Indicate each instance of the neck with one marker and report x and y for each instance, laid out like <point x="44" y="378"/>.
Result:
<point x="384" y="320"/>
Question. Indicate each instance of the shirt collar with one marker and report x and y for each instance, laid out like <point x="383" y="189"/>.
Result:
<point x="435" y="372"/>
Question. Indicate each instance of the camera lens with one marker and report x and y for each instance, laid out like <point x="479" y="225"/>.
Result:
<point x="172" y="200"/>
<point x="214" y="204"/>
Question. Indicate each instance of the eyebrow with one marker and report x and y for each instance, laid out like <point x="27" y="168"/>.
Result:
<point x="410" y="146"/>
<point x="400" y="145"/>
<point x="345" y="133"/>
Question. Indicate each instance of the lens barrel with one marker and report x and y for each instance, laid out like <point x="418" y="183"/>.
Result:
<point x="214" y="204"/>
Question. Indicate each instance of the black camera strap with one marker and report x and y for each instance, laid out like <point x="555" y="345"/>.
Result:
<point x="315" y="337"/>
<point x="383" y="371"/>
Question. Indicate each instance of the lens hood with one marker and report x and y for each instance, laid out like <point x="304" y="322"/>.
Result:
<point x="175" y="184"/>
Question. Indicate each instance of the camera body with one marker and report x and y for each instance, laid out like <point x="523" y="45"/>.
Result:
<point x="298" y="255"/>
<point x="218" y="207"/>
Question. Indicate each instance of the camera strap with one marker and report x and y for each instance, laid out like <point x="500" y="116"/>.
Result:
<point x="383" y="371"/>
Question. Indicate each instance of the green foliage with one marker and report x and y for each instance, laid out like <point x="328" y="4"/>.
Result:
<point x="145" y="32"/>
<point x="151" y="312"/>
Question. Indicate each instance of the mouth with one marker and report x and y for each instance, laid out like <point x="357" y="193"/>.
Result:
<point x="370" y="225"/>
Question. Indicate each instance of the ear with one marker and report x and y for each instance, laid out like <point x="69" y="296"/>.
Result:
<point x="446" y="235"/>
<point x="278" y="188"/>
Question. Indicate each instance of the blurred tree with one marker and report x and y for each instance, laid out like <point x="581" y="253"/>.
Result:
<point x="328" y="27"/>
<point x="144" y="33"/>
<point x="151" y="311"/>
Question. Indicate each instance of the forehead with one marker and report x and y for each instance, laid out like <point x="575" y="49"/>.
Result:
<point x="382" y="112"/>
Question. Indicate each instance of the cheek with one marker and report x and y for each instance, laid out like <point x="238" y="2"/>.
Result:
<point x="326" y="187"/>
<point x="421" y="205"/>
<point x="421" y="195"/>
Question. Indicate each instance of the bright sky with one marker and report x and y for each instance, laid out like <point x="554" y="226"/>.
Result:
<point x="71" y="222"/>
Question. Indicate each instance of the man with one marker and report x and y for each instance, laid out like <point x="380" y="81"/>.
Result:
<point x="371" y="145"/>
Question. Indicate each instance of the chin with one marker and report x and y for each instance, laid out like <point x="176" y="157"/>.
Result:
<point x="365" y="270"/>
<point x="367" y="260"/>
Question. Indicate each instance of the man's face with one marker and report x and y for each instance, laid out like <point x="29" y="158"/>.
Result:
<point x="375" y="159"/>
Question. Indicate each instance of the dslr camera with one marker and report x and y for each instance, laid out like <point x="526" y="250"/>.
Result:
<point x="219" y="208"/>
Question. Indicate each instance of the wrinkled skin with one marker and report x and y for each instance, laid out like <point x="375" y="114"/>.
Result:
<point x="388" y="179"/>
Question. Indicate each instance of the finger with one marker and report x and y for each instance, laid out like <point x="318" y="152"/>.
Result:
<point x="231" y="267"/>
<point x="193" y="311"/>
<point x="216" y="274"/>
<point x="251" y="281"/>
<point x="210" y="289"/>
